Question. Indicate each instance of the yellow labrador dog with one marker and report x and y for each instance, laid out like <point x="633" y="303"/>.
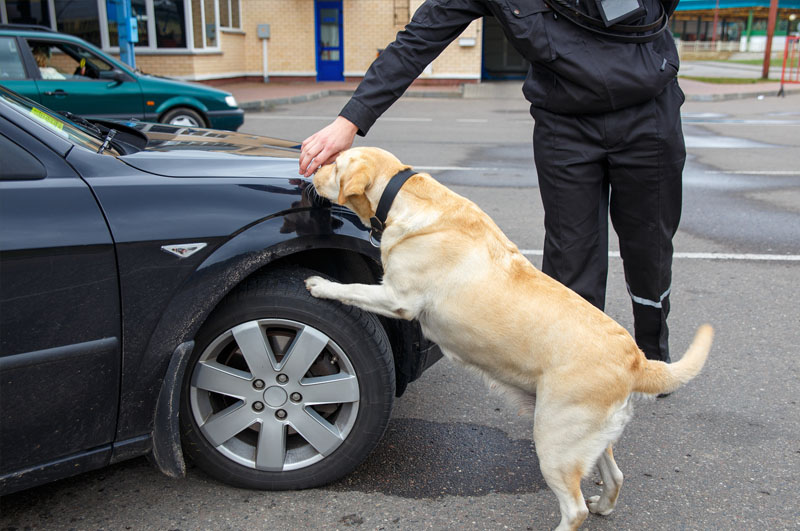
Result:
<point x="448" y="265"/>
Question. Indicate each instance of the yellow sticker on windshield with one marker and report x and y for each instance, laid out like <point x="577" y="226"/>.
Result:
<point x="46" y="118"/>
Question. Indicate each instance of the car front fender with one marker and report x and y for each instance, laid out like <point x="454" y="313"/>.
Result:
<point x="201" y="291"/>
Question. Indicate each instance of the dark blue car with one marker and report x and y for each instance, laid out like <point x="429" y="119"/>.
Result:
<point x="152" y="302"/>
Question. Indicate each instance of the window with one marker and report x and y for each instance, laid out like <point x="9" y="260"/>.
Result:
<point x="54" y="122"/>
<point x="170" y="24"/>
<point x="10" y="61"/>
<point x="61" y="60"/>
<point x="229" y="12"/>
<point x="204" y="21"/>
<point x="28" y="12"/>
<point x="78" y="18"/>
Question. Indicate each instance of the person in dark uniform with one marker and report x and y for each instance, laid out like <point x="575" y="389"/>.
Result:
<point x="607" y="136"/>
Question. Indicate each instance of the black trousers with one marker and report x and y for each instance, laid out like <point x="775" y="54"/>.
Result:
<point x="627" y="163"/>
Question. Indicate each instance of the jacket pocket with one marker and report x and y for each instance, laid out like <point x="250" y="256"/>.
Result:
<point x="524" y="8"/>
<point x="523" y="23"/>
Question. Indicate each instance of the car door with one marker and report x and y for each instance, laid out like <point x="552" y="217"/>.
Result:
<point x="59" y="314"/>
<point x="76" y="79"/>
<point x="13" y="73"/>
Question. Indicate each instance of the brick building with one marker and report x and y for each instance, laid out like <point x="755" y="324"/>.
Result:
<point x="208" y="40"/>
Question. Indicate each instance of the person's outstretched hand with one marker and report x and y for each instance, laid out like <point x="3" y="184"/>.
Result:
<point x="325" y="145"/>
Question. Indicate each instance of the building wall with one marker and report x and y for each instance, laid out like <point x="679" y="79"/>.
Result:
<point x="291" y="46"/>
<point x="369" y="25"/>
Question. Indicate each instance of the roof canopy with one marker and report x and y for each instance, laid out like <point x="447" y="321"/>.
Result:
<point x="701" y="5"/>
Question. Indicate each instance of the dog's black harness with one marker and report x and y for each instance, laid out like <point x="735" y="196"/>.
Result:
<point x="378" y="222"/>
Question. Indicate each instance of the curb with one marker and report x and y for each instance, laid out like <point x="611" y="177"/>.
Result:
<point x="271" y="103"/>
<point x="739" y="95"/>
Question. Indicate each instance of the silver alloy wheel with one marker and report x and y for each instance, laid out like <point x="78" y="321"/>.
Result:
<point x="274" y="394"/>
<point x="184" y="120"/>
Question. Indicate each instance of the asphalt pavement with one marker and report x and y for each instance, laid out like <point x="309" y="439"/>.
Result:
<point x="721" y="453"/>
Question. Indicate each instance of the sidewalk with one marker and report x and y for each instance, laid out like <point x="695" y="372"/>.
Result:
<point x="256" y="96"/>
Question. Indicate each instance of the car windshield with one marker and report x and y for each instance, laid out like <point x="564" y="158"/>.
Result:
<point x="55" y="122"/>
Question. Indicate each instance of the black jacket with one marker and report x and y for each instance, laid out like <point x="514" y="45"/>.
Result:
<point x="572" y="70"/>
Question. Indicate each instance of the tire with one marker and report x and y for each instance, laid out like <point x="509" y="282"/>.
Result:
<point x="184" y="117"/>
<point x="253" y="430"/>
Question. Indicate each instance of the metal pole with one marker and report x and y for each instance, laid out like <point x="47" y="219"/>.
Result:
<point x="749" y="30"/>
<point x="122" y="14"/>
<point x="773" y="16"/>
<point x="716" y="17"/>
<point x="264" y="55"/>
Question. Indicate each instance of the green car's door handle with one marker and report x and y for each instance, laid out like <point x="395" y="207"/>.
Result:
<point x="58" y="92"/>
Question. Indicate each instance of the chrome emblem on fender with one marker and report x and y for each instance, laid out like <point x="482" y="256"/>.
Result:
<point x="183" y="250"/>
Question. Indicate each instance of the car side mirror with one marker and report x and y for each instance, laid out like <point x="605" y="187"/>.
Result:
<point x="114" y="75"/>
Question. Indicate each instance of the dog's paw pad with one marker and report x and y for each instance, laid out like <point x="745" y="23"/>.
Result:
<point x="598" y="505"/>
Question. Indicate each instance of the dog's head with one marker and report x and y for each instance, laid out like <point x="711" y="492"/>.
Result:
<point x="357" y="179"/>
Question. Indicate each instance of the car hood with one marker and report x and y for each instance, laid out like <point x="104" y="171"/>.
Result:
<point x="175" y="151"/>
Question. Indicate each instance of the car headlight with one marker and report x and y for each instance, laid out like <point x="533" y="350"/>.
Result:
<point x="231" y="101"/>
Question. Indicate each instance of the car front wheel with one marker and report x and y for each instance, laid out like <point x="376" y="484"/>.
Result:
<point x="183" y="117"/>
<point x="285" y="391"/>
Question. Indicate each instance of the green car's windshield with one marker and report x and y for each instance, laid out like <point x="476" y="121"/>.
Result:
<point x="55" y="122"/>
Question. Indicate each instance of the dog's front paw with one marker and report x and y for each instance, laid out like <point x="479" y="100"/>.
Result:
<point x="319" y="287"/>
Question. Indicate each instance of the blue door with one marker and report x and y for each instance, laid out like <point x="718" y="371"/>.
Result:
<point x="330" y="51"/>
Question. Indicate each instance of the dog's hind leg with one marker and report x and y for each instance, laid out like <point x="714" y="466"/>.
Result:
<point x="560" y="438"/>
<point x="612" y="483"/>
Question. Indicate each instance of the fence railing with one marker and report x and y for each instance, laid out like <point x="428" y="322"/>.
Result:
<point x="707" y="46"/>
<point x="790" y="73"/>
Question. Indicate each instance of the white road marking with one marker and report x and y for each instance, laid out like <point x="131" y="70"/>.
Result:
<point x="789" y="123"/>
<point x="753" y="172"/>
<point x="705" y="256"/>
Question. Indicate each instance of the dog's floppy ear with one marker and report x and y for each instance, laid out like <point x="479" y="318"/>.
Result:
<point x="353" y="183"/>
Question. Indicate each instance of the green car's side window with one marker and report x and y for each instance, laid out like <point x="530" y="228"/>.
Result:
<point x="67" y="61"/>
<point x="10" y="61"/>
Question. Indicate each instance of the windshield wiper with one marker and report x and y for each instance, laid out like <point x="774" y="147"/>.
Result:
<point x="107" y="141"/>
<point x="81" y="121"/>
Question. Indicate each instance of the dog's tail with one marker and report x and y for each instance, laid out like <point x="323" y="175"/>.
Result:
<point x="658" y="377"/>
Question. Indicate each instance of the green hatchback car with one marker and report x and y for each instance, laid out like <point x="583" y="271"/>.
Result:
<point x="65" y="73"/>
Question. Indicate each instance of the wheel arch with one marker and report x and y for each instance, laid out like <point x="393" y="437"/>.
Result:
<point x="181" y="101"/>
<point x="152" y="405"/>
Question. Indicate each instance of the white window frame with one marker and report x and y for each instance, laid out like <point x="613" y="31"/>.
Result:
<point x="232" y="4"/>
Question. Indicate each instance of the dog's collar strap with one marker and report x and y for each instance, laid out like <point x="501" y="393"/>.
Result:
<point x="387" y="198"/>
